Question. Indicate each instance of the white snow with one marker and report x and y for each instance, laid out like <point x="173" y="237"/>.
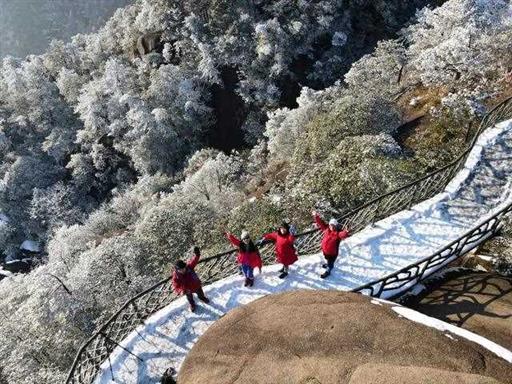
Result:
<point x="5" y="273"/>
<point x="30" y="245"/>
<point x="442" y="326"/>
<point x="479" y="189"/>
<point x="414" y="101"/>
<point x="12" y="260"/>
<point x="485" y="257"/>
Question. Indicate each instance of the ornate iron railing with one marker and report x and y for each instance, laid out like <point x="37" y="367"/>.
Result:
<point x="397" y="282"/>
<point x="97" y="348"/>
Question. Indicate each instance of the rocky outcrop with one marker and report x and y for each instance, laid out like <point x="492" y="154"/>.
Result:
<point x="149" y="42"/>
<point x="325" y="337"/>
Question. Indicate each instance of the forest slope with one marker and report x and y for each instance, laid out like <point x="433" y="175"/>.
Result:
<point x="105" y="151"/>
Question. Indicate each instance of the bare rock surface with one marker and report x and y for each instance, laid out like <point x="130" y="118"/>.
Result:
<point x="324" y="337"/>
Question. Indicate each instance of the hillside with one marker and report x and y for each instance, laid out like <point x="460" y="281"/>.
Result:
<point x="176" y="121"/>
<point x="399" y="242"/>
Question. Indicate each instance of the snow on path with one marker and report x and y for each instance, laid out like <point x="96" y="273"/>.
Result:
<point x="477" y="190"/>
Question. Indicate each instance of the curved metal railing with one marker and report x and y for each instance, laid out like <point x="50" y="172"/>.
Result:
<point x="97" y="348"/>
<point x="397" y="282"/>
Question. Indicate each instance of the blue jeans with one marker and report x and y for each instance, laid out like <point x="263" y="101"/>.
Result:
<point x="247" y="270"/>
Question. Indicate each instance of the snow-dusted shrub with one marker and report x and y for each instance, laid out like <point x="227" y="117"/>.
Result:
<point x="464" y="105"/>
<point x="39" y="332"/>
<point x="170" y="228"/>
<point x="108" y="274"/>
<point x="198" y="159"/>
<point x="57" y="205"/>
<point x="350" y="115"/>
<point x="7" y="232"/>
<point x="218" y="183"/>
<point x="462" y="40"/>
<point x="379" y="73"/>
<point x="358" y="169"/>
<point x="503" y="265"/>
<point x="286" y="126"/>
<point x="447" y="136"/>
<point x="501" y="248"/>
<point x="67" y="245"/>
<point x="21" y="178"/>
<point x="256" y="216"/>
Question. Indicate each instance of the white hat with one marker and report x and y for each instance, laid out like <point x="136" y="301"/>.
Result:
<point x="333" y="222"/>
<point x="244" y="235"/>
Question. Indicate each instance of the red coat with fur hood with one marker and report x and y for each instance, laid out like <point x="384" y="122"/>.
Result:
<point x="331" y="240"/>
<point x="285" y="251"/>
<point x="247" y="254"/>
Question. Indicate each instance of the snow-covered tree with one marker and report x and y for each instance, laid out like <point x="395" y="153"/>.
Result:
<point x="105" y="148"/>
<point x="463" y="40"/>
<point x="381" y="72"/>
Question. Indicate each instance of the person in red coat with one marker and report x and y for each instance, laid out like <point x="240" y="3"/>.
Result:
<point x="285" y="249"/>
<point x="185" y="280"/>
<point x="248" y="256"/>
<point x="330" y="241"/>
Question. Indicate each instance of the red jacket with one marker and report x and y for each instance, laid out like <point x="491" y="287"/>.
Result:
<point x="331" y="240"/>
<point x="285" y="251"/>
<point x="189" y="281"/>
<point x="245" y="257"/>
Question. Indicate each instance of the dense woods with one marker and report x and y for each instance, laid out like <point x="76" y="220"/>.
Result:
<point x="178" y="120"/>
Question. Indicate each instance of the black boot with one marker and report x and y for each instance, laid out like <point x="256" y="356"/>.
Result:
<point x="201" y="296"/>
<point x="325" y="274"/>
<point x="246" y="283"/>
<point x="251" y="282"/>
<point x="325" y="266"/>
<point x="283" y="274"/>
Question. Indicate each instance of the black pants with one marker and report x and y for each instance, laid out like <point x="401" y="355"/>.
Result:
<point x="330" y="260"/>
<point x="199" y="293"/>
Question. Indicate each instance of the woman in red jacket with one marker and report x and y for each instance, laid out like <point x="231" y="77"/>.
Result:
<point x="330" y="241"/>
<point x="185" y="280"/>
<point x="248" y="256"/>
<point x="285" y="250"/>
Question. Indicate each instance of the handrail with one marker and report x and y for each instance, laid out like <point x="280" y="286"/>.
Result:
<point x="395" y="283"/>
<point x="98" y="347"/>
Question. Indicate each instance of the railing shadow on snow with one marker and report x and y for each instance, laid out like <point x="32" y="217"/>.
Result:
<point x="100" y="345"/>
<point x="463" y="294"/>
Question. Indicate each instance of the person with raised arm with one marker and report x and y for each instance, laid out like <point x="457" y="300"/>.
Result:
<point x="248" y="255"/>
<point x="186" y="282"/>
<point x="284" y="239"/>
<point x="331" y="239"/>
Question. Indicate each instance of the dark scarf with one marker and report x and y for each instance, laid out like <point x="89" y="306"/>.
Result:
<point x="248" y="247"/>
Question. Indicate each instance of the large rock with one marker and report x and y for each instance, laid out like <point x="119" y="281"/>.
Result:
<point x="380" y="374"/>
<point x="323" y="337"/>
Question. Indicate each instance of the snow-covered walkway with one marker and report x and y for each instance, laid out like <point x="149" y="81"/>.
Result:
<point x="391" y="244"/>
